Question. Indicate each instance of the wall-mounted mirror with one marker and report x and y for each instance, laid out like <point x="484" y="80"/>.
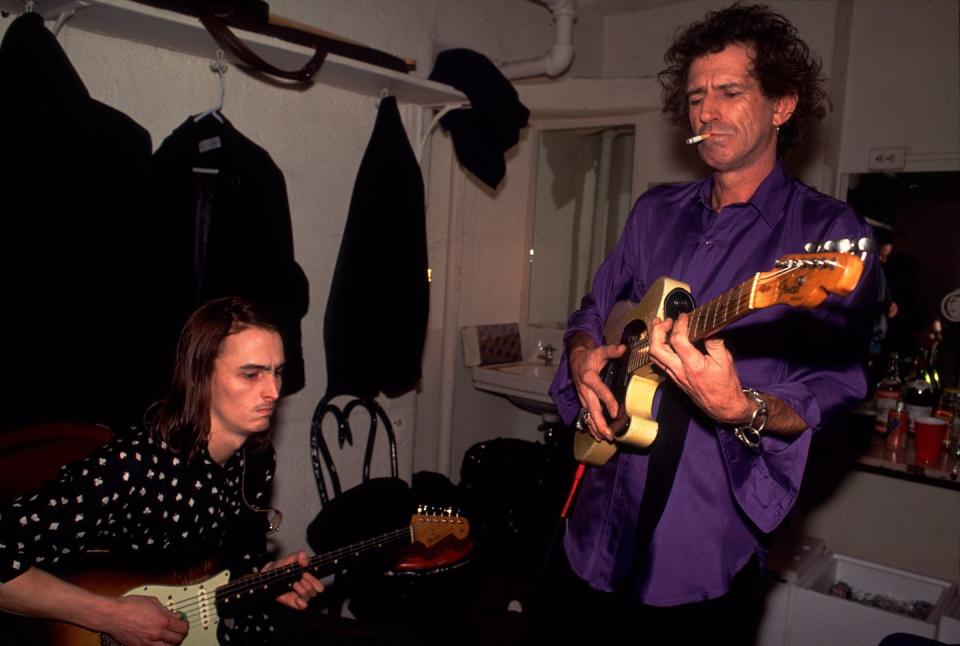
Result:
<point x="581" y="199"/>
<point x="918" y="215"/>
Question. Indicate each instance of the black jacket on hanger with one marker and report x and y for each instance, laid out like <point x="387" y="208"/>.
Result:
<point x="222" y="218"/>
<point x="376" y="319"/>
<point x="73" y="268"/>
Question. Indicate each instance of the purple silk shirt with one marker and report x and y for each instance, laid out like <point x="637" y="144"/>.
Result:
<point x="725" y="496"/>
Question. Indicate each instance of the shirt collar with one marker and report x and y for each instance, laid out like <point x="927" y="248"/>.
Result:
<point x="769" y="198"/>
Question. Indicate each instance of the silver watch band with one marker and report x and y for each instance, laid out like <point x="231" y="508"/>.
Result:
<point x="749" y="433"/>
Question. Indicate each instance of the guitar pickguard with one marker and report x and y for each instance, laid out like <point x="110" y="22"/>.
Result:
<point x="634" y="389"/>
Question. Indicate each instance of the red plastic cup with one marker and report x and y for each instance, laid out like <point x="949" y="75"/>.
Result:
<point x="928" y="438"/>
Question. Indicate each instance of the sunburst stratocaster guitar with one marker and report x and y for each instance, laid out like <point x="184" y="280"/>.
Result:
<point x="798" y="280"/>
<point x="203" y="602"/>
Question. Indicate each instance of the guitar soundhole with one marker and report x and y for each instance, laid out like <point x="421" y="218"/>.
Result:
<point x="678" y="301"/>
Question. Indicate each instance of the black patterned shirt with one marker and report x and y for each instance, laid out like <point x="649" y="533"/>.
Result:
<point x="138" y="499"/>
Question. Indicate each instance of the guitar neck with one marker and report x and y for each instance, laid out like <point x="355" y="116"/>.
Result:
<point x="708" y="319"/>
<point x="275" y="581"/>
<point x="719" y="312"/>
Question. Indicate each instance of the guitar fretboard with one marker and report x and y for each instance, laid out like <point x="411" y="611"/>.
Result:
<point x="705" y="320"/>
<point x="317" y="564"/>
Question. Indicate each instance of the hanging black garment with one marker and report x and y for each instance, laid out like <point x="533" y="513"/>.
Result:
<point x="376" y="318"/>
<point x="76" y="326"/>
<point x="483" y="132"/>
<point x="222" y="217"/>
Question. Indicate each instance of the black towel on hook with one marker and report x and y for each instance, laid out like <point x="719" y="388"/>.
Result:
<point x="375" y="323"/>
<point x="483" y="132"/>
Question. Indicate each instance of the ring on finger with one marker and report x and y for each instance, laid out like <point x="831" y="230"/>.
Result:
<point x="583" y="420"/>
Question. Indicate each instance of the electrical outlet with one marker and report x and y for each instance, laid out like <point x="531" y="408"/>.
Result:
<point x="887" y="158"/>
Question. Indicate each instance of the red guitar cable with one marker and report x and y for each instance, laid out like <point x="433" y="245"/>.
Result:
<point x="577" y="477"/>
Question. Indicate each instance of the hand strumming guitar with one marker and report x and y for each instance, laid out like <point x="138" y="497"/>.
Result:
<point x="586" y="361"/>
<point x="143" y="621"/>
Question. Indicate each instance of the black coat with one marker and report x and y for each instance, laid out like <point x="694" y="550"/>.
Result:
<point x="226" y="233"/>
<point x="376" y="319"/>
<point x="72" y="261"/>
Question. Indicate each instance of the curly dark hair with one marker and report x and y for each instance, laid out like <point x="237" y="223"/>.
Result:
<point x="782" y="63"/>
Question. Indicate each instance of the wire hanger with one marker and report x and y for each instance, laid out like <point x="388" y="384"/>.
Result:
<point x="220" y="68"/>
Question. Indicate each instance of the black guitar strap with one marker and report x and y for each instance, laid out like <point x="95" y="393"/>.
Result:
<point x="673" y="418"/>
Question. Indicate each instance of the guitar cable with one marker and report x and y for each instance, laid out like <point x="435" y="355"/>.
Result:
<point x="273" y="520"/>
<point x="577" y="477"/>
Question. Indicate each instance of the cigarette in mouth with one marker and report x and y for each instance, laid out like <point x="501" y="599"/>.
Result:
<point x="699" y="138"/>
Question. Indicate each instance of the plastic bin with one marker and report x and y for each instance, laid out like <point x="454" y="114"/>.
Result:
<point x="821" y="619"/>
<point x="949" y="632"/>
<point x="789" y="558"/>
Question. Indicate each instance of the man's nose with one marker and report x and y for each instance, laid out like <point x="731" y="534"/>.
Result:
<point x="709" y="109"/>
<point x="271" y="387"/>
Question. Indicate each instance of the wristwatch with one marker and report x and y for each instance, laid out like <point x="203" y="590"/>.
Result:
<point x="749" y="433"/>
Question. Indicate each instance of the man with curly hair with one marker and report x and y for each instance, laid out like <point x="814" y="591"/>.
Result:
<point x="674" y="538"/>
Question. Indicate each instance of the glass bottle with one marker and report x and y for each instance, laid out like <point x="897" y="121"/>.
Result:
<point x="888" y="393"/>
<point x="946" y="409"/>
<point x="918" y="393"/>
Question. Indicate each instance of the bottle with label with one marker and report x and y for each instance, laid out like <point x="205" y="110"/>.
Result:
<point x="918" y="394"/>
<point x="889" y="391"/>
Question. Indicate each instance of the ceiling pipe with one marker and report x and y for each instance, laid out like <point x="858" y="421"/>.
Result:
<point x="558" y="59"/>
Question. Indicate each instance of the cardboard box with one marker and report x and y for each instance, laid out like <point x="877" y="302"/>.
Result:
<point x="820" y="619"/>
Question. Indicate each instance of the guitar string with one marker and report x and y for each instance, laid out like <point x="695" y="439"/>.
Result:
<point x="639" y="356"/>
<point x="192" y="605"/>
<point x="265" y="578"/>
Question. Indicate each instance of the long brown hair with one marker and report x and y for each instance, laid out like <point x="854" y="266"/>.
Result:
<point x="182" y="420"/>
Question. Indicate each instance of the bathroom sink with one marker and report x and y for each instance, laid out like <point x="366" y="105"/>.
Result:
<point x="525" y="384"/>
<point x="532" y="370"/>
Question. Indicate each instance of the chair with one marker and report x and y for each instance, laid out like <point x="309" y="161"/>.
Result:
<point x="28" y="457"/>
<point x="33" y="454"/>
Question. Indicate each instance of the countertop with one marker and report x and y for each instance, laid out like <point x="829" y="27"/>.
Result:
<point x="871" y="454"/>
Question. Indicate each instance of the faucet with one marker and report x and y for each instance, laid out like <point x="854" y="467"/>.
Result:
<point x="546" y="353"/>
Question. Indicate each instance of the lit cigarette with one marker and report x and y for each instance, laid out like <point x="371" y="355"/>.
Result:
<point x="699" y="138"/>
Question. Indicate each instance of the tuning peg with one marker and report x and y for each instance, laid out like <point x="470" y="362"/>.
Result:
<point x="866" y="245"/>
<point x="811" y="247"/>
<point x="844" y="245"/>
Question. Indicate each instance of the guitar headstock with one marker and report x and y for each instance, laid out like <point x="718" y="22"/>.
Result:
<point x="806" y="279"/>
<point x="432" y="525"/>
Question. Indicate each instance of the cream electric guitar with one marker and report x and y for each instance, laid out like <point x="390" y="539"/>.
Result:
<point x="799" y="280"/>
<point x="202" y="603"/>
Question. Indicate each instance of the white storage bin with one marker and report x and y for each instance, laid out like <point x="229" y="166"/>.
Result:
<point x="949" y="632"/>
<point x="789" y="558"/>
<point x="819" y="619"/>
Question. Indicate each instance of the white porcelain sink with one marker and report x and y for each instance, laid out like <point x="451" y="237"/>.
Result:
<point x="525" y="384"/>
